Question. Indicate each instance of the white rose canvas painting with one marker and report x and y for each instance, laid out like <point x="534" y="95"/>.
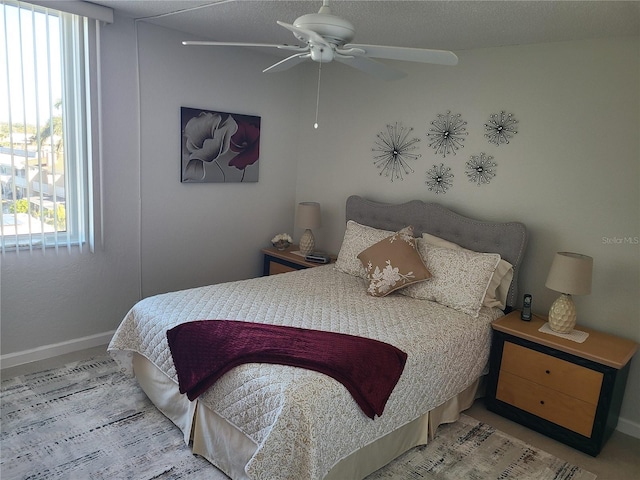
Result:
<point x="219" y="147"/>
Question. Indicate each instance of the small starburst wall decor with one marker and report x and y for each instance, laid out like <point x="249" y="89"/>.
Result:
<point x="500" y="128"/>
<point x="439" y="179"/>
<point x="393" y="149"/>
<point x="447" y="133"/>
<point x="481" y="169"/>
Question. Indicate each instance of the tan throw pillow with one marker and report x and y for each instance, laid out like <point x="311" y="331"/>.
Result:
<point x="393" y="263"/>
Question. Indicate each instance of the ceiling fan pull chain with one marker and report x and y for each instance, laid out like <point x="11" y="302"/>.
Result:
<point x="315" y="125"/>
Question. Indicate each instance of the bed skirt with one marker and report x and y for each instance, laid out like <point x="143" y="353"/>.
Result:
<point x="230" y="449"/>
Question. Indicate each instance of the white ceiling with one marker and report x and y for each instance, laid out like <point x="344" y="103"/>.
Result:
<point x="449" y="25"/>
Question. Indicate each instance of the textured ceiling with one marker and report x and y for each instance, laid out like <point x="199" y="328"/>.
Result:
<point x="450" y="25"/>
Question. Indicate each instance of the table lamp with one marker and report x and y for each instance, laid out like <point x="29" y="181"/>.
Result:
<point x="570" y="274"/>
<point x="308" y="217"/>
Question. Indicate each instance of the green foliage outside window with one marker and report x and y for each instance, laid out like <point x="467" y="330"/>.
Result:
<point x="19" y="206"/>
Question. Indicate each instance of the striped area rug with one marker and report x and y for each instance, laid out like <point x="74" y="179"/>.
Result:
<point x="87" y="420"/>
<point x="472" y="450"/>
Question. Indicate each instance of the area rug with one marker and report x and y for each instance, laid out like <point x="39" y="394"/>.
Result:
<point x="87" y="420"/>
<point x="471" y="450"/>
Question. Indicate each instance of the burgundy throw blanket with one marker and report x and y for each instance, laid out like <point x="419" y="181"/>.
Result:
<point x="204" y="350"/>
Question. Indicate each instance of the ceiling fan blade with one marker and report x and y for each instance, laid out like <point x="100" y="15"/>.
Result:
<point x="423" y="55"/>
<point x="294" y="48"/>
<point x="288" y="62"/>
<point x="305" y="34"/>
<point x="372" y="67"/>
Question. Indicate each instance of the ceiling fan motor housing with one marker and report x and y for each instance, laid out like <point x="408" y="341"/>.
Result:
<point x="333" y="29"/>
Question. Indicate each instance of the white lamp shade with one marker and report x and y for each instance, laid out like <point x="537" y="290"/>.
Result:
<point x="308" y="215"/>
<point x="570" y="273"/>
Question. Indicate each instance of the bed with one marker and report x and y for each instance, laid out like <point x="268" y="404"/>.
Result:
<point x="271" y="421"/>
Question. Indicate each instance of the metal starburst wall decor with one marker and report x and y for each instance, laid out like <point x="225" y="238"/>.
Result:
<point x="480" y="169"/>
<point x="447" y="133"/>
<point x="394" y="148"/>
<point x="439" y="179"/>
<point x="500" y="128"/>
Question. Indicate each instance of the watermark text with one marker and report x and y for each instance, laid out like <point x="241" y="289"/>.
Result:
<point x="621" y="240"/>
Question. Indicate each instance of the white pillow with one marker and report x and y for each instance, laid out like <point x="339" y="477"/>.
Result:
<point x="498" y="290"/>
<point x="460" y="278"/>
<point x="357" y="238"/>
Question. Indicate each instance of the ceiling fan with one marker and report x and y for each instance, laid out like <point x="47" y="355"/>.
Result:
<point x="326" y="38"/>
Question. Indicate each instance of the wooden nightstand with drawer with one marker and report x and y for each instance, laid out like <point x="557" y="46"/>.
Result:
<point x="567" y="390"/>
<point x="283" y="261"/>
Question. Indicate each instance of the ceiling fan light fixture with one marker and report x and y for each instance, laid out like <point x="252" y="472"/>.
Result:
<point x="320" y="53"/>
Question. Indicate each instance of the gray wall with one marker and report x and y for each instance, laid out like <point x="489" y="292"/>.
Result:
<point x="197" y="234"/>
<point x="571" y="174"/>
<point x="160" y="235"/>
<point x="49" y="298"/>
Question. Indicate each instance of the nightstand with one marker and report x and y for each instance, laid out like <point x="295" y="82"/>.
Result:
<point x="567" y="390"/>
<point x="282" y="261"/>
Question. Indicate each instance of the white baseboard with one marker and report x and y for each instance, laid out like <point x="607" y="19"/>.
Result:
<point x="53" y="350"/>
<point x="628" y="427"/>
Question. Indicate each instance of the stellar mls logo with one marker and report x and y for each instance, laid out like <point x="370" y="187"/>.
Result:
<point x="620" y="240"/>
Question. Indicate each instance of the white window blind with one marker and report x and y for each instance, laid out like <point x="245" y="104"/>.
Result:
<point x="47" y="136"/>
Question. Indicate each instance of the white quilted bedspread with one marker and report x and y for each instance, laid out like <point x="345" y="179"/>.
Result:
<point x="304" y="422"/>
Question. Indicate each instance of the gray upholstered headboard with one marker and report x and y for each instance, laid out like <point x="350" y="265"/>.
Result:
<point x="508" y="239"/>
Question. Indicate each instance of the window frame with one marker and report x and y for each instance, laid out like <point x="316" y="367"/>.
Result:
<point x="79" y="56"/>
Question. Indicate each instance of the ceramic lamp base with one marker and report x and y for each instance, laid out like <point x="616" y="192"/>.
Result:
<point x="307" y="242"/>
<point x="562" y="314"/>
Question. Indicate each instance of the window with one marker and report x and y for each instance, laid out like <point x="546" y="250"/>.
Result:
<point x="46" y="132"/>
